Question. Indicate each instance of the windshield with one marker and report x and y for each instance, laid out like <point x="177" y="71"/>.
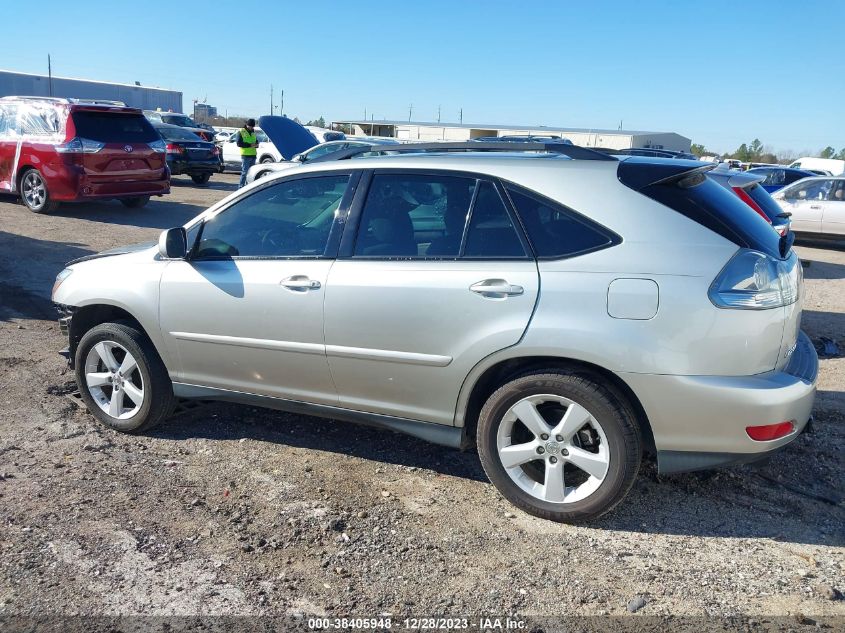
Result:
<point x="178" y="119"/>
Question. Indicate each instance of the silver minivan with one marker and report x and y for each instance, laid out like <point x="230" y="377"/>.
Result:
<point x="563" y="310"/>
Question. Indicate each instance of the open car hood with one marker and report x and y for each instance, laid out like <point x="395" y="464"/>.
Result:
<point x="289" y="137"/>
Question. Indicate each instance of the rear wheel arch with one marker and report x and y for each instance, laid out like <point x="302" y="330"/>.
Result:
<point x="507" y="370"/>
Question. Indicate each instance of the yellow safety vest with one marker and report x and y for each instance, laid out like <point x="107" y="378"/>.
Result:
<point x="247" y="138"/>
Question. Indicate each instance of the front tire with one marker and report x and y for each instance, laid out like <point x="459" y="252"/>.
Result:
<point x="123" y="382"/>
<point x="135" y="202"/>
<point x="267" y="159"/>
<point x="559" y="446"/>
<point x="34" y="193"/>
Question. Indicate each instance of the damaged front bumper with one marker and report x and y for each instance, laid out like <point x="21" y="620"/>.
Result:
<point x="65" y="318"/>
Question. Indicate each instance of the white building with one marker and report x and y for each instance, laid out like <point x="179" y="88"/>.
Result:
<point x="426" y="131"/>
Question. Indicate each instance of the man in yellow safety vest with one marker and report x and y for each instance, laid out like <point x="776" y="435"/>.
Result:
<point x="247" y="142"/>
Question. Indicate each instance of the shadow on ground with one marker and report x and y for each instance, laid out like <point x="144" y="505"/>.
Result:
<point x="28" y="267"/>
<point x="748" y="502"/>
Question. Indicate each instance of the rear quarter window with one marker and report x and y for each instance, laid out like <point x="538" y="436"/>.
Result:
<point x="113" y="127"/>
<point x="555" y="231"/>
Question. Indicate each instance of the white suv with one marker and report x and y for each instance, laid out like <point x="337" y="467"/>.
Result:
<point x="562" y="309"/>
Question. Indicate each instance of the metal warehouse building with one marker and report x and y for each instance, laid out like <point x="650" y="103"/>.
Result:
<point x="612" y="139"/>
<point x="146" y="98"/>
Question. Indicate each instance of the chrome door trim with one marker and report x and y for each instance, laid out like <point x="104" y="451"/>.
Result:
<point x="386" y="355"/>
<point x="258" y="343"/>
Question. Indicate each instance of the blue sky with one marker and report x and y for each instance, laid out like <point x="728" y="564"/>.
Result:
<point x="721" y="73"/>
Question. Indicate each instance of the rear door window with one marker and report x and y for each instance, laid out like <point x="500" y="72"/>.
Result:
<point x="491" y="233"/>
<point x="113" y="127"/>
<point x="414" y="215"/>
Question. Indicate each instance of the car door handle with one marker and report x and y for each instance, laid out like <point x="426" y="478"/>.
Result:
<point x="817" y="207"/>
<point x="496" y="288"/>
<point x="300" y="283"/>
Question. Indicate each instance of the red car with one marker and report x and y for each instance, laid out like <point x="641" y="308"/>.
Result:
<point x="56" y="150"/>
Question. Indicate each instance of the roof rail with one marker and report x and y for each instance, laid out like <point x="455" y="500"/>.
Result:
<point x="572" y="151"/>
<point x="106" y="102"/>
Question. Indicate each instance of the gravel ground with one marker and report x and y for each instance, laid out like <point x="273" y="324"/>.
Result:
<point x="233" y="510"/>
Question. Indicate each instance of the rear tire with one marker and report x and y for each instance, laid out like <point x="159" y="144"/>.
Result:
<point x="34" y="193"/>
<point x="201" y="179"/>
<point x="122" y="379"/>
<point x="135" y="202"/>
<point x="571" y="447"/>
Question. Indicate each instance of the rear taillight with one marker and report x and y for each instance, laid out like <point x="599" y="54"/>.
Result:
<point x="80" y="146"/>
<point x="159" y="147"/>
<point x="750" y="202"/>
<point x="768" y="432"/>
<point x="215" y="151"/>
<point x="755" y="281"/>
<point x="172" y="148"/>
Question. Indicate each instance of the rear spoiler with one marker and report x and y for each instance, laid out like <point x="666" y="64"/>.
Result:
<point x="639" y="174"/>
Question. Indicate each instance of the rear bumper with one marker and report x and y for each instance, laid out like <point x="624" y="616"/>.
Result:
<point x="69" y="183"/>
<point x="699" y="422"/>
<point x="192" y="167"/>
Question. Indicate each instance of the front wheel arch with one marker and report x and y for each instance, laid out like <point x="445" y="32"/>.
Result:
<point x="90" y="316"/>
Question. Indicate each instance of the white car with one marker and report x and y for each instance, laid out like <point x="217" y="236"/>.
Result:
<point x="261" y="169"/>
<point x="817" y="205"/>
<point x="267" y="152"/>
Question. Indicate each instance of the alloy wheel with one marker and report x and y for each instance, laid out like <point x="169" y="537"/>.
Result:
<point x="114" y="380"/>
<point x="33" y="190"/>
<point x="553" y="449"/>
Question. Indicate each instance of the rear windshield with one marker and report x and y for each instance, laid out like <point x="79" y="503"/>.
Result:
<point x="759" y="195"/>
<point x="720" y="210"/>
<point x="177" y="134"/>
<point x="113" y="127"/>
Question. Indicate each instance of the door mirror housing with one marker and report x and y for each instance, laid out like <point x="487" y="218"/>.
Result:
<point x="299" y="158"/>
<point x="173" y="243"/>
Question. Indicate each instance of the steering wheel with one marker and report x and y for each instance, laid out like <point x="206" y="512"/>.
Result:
<point x="275" y="241"/>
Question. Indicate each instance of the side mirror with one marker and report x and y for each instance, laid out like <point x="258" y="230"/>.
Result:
<point x="299" y="158"/>
<point x="173" y="243"/>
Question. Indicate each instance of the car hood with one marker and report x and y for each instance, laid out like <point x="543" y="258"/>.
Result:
<point x="289" y="137"/>
<point x="120" y="250"/>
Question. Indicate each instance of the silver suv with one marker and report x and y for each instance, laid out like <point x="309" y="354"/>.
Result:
<point x="562" y="309"/>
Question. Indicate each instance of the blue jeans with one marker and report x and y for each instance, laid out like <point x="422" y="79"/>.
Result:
<point x="246" y="163"/>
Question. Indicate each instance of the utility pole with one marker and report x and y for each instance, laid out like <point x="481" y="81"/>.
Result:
<point x="410" y="112"/>
<point x="461" y="117"/>
<point x="271" y="99"/>
<point x="438" y="114"/>
<point x="50" y="74"/>
<point x="282" y="113"/>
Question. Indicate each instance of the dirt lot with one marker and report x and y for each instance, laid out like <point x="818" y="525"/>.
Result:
<point x="228" y="510"/>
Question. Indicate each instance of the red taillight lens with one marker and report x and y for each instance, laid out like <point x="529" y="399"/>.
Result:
<point x="172" y="148"/>
<point x="750" y="202"/>
<point x="770" y="431"/>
